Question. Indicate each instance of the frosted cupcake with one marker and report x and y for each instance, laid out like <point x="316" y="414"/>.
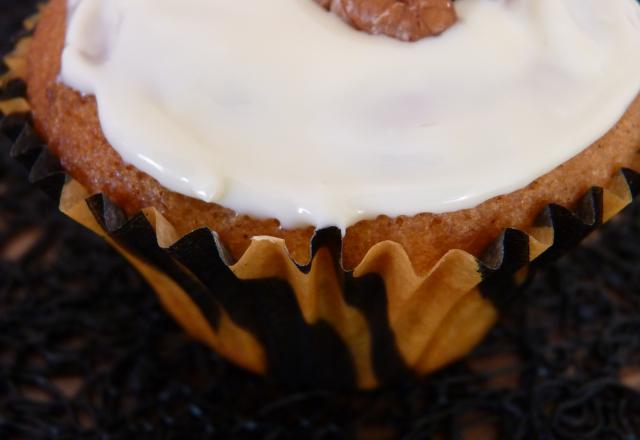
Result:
<point x="322" y="203"/>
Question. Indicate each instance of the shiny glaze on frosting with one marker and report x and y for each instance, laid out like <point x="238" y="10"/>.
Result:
<point x="279" y="109"/>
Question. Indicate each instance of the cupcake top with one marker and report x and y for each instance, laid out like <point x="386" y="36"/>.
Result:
<point x="280" y="109"/>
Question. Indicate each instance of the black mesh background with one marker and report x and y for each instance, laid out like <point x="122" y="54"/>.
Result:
<point x="87" y="353"/>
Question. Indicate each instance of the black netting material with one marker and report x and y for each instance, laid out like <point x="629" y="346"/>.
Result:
<point x="87" y="352"/>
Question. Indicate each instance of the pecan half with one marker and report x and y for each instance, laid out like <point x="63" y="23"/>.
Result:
<point x="407" y="20"/>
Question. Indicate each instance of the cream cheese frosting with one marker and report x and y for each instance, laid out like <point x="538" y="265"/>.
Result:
<point x="278" y="109"/>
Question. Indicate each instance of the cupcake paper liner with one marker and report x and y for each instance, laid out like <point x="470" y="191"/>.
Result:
<point x="317" y="324"/>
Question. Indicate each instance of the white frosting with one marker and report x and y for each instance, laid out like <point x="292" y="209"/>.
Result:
<point x="279" y="109"/>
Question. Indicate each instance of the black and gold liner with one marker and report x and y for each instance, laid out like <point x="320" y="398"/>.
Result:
<point x="317" y="324"/>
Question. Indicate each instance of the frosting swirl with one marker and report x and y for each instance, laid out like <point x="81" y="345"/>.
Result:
<point x="277" y="109"/>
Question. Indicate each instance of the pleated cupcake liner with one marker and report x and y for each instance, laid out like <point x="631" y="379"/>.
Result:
<point x="317" y="324"/>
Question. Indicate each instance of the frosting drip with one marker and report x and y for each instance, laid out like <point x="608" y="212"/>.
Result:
<point x="278" y="109"/>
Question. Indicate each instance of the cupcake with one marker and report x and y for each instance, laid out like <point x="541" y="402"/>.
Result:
<point x="332" y="193"/>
